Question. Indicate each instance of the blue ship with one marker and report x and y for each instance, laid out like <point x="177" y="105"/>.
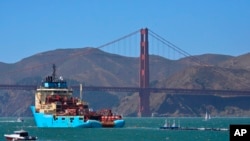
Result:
<point x="56" y="107"/>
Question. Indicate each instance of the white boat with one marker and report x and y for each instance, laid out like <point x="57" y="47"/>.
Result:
<point x="19" y="119"/>
<point x="168" y="126"/>
<point x="20" y="135"/>
<point x="207" y="116"/>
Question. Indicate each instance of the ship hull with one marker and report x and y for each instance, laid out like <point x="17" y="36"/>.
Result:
<point x="50" y="121"/>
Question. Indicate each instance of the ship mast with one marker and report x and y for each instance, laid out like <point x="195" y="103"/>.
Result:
<point x="54" y="73"/>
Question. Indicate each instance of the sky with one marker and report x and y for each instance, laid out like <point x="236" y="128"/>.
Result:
<point x="28" y="27"/>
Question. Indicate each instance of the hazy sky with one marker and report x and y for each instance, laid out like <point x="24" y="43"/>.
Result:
<point x="28" y="27"/>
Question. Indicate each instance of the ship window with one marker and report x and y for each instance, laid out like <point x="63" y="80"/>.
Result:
<point x="63" y="118"/>
<point x="80" y="118"/>
<point x="55" y="118"/>
<point x="46" y="85"/>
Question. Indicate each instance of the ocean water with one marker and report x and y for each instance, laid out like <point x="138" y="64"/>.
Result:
<point x="136" y="129"/>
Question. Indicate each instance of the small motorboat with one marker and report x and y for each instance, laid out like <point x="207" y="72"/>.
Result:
<point x="20" y="135"/>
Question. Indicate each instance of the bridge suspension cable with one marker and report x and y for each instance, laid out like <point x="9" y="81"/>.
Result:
<point x="174" y="47"/>
<point x="119" y="39"/>
<point x="61" y="59"/>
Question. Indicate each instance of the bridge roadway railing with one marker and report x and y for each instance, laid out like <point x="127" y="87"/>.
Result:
<point x="137" y="89"/>
<point x="17" y="87"/>
<point x="170" y="90"/>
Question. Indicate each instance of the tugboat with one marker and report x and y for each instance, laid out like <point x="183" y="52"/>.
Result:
<point x="20" y="135"/>
<point x="55" y="106"/>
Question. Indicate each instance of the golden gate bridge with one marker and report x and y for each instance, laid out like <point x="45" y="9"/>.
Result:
<point x="144" y="89"/>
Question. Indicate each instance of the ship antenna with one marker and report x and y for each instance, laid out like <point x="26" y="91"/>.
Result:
<point x="54" y="72"/>
<point x="80" y="91"/>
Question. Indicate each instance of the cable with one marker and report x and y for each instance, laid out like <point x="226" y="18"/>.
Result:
<point x="174" y="47"/>
<point x="71" y="56"/>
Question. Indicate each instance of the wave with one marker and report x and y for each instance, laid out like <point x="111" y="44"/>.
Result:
<point x="11" y="121"/>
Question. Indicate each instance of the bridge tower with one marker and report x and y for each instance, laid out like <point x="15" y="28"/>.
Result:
<point x="144" y="75"/>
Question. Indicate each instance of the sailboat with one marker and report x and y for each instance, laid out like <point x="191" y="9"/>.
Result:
<point x="207" y="116"/>
<point x="169" y="126"/>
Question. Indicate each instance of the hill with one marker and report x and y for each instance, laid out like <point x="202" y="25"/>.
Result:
<point x="98" y="68"/>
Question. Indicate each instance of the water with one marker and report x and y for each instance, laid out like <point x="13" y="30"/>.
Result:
<point x="136" y="129"/>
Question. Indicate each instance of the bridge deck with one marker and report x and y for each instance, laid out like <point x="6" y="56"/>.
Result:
<point x="137" y="89"/>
